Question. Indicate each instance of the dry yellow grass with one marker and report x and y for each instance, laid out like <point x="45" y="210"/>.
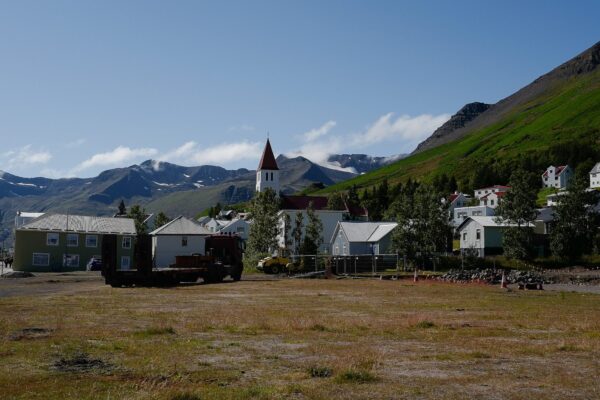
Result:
<point x="314" y="339"/>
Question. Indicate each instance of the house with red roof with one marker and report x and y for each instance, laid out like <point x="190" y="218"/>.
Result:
<point x="557" y="177"/>
<point x="479" y="193"/>
<point x="492" y="199"/>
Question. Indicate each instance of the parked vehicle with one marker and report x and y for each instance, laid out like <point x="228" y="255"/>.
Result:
<point x="273" y="265"/>
<point x="224" y="259"/>
<point x="95" y="264"/>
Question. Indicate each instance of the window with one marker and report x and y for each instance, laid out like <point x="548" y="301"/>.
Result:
<point x="266" y="176"/>
<point x="184" y="241"/>
<point x="41" y="259"/>
<point x="476" y="213"/>
<point x="71" y="260"/>
<point x="72" y="240"/>
<point x="125" y="262"/>
<point x="271" y="176"/>
<point x="478" y="234"/>
<point x="52" y="239"/>
<point x="464" y="235"/>
<point x="91" y="241"/>
<point x="491" y="202"/>
<point x="126" y="242"/>
<point x="241" y="229"/>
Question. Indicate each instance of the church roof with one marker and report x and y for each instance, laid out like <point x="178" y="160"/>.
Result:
<point x="267" y="161"/>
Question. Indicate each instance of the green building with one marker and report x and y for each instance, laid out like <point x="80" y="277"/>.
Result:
<point x="58" y="242"/>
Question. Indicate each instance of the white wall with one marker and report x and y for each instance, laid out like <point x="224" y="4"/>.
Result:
<point x="329" y="218"/>
<point x="233" y="228"/>
<point x="166" y="247"/>
<point x="267" y="179"/>
<point x="470" y="212"/>
<point x="471" y="241"/>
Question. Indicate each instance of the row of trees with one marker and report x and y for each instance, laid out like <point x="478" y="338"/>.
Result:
<point x="139" y="216"/>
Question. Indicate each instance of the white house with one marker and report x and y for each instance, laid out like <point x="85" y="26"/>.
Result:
<point x="557" y="177"/>
<point x="294" y="204"/>
<point x="483" y="235"/>
<point x="215" y="225"/>
<point x="492" y="199"/>
<point x="180" y="237"/>
<point x="479" y="193"/>
<point x="553" y="198"/>
<point x="595" y="176"/>
<point x="356" y="238"/>
<point x="462" y="213"/>
<point x="456" y="200"/>
<point x="237" y="226"/>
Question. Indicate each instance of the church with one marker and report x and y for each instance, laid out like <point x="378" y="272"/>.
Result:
<point x="268" y="176"/>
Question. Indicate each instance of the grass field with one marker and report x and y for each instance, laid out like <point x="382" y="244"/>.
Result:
<point x="314" y="339"/>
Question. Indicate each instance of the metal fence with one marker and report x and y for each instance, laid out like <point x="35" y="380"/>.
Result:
<point x="347" y="265"/>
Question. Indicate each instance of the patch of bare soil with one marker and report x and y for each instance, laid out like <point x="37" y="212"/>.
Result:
<point x="80" y="363"/>
<point x="31" y="333"/>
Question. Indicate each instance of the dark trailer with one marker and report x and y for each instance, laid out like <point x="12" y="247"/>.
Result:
<point x="223" y="258"/>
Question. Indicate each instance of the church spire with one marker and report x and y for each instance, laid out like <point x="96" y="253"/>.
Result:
<point x="267" y="161"/>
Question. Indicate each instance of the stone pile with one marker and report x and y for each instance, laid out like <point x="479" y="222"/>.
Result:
<point x="491" y="276"/>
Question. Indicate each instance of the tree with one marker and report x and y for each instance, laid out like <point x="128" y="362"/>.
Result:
<point x="161" y="220"/>
<point x="138" y="213"/>
<point x="336" y="201"/>
<point x="297" y="232"/>
<point x="314" y="231"/>
<point x="122" y="208"/>
<point x="352" y="199"/>
<point x="404" y="236"/>
<point x="284" y="231"/>
<point x="518" y="208"/>
<point x="262" y="239"/>
<point x="575" y="221"/>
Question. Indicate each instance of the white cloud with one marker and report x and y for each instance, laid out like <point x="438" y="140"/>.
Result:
<point x="405" y="128"/>
<point x="116" y="157"/>
<point x="25" y="156"/>
<point x="316" y="133"/>
<point x="75" y="143"/>
<point x="228" y="152"/>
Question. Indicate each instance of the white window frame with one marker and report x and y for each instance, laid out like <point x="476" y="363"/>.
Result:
<point x="87" y="241"/>
<point x="126" y="265"/>
<point x="48" y="240"/>
<point x="47" y="255"/>
<point x="71" y="257"/>
<point x="128" y="238"/>
<point x="71" y="236"/>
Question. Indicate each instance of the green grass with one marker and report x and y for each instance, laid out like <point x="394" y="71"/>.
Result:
<point x="569" y="112"/>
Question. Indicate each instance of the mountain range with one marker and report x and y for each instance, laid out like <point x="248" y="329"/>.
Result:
<point x="162" y="186"/>
<point x="552" y="121"/>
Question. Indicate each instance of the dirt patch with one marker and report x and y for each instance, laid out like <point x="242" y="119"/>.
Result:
<point x="82" y="362"/>
<point x="17" y="274"/>
<point x="31" y="333"/>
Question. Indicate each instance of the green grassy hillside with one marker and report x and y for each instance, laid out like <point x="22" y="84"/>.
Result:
<point x="561" y="125"/>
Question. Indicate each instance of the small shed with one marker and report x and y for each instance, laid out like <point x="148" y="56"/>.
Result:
<point x="354" y="238"/>
<point x="180" y="237"/>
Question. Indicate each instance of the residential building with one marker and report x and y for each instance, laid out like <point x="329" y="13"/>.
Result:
<point x="355" y="238"/>
<point x="267" y="173"/>
<point x="482" y="235"/>
<point x="215" y="225"/>
<point x="180" y="237"/>
<point x="59" y="242"/>
<point x="557" y="177"/>
<point x="492" y="199"/>
<point x="553" y="198"/>
<point x="237" y="226"/>
<point x="23" y="218"/>
<point x="457" y="199"/>
<point x="462" y="213"/>
<point x="291" y="205"/>
<point x="595" y="176"/>
<point x="479" y="193"/>
<point x="543" y="221"/>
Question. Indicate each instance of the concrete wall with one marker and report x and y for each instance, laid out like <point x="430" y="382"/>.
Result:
<point x="29" y="242"/>
<point x="166" y="247"/>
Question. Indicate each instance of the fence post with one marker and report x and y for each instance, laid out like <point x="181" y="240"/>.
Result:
<point x="316" y="268"/>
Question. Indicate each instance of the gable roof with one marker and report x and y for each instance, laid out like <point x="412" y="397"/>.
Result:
<point x="267" y="161"/>
<point x="487" y="222"/>
<point x="497" y="194"/>
<point x="370" y="232"/>
<point x="181" y="226"/>
<point x="558" y="170"/>
<point x="500" y="187"/>
<point x="301" y="202"/>
<point x="81" y="223"/>
<point x="596" y="169"/>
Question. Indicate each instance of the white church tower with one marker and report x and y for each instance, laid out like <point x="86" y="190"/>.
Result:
<point x="267" y="175"/>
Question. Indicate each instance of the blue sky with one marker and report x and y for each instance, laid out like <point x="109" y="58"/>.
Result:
<point x="86" y="86"/>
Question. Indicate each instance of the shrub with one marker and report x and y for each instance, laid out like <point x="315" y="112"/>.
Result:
<point x="320" y="372"/>
<point x="354" y="376"/>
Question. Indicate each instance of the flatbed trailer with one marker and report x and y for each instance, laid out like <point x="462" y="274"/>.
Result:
<point x="224" y="259"/>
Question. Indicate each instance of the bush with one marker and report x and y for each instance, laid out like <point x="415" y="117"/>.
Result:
<point x="320" y="372"/>
<point x="354" y="376"/>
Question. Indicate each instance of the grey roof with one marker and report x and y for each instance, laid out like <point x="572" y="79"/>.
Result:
<point x="181" y="226"/>
<point x="366" y="231"/>
<point x="596" y="169"/>
<point x="81" y="223"/>
<point x="488" y="222"/>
